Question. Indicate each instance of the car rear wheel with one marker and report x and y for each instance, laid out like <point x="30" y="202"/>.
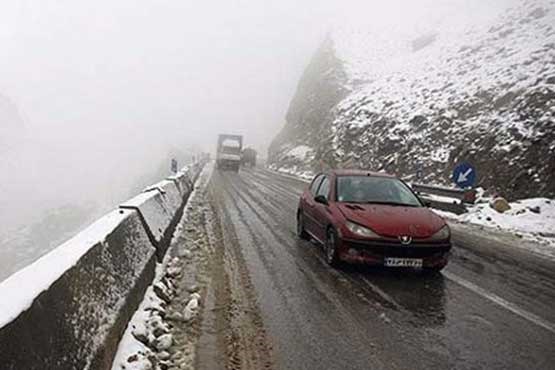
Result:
<point x="330" y="247"/>
<point x="301" y="232"/>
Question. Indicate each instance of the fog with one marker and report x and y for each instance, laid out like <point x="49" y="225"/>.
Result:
<point x="105" y="92"/>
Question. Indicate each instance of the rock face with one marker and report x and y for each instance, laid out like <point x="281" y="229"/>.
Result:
<point x="409" y="101"/>
<point x="310" y="116"/>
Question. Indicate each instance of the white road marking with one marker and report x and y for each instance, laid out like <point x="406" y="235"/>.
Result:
<point x="501" y="302"/>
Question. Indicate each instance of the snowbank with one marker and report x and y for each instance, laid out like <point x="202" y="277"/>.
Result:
<point x="294" y="171"/>
<point x="20" y="290"/>
<point x="532" y="219"/>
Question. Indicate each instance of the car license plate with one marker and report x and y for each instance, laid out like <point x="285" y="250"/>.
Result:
<point x="403" y="262"/>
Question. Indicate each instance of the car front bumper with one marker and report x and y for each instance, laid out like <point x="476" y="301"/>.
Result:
<point x="375" y="252"/>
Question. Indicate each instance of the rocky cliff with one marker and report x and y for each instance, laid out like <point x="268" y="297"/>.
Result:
<point x="399" y="102"/>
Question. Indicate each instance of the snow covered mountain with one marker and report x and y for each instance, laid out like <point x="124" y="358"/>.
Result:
<point x="429" y="98"/>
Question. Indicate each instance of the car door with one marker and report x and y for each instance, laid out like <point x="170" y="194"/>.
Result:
<point x="320" y="211"/>
<point x="309" y="204"/>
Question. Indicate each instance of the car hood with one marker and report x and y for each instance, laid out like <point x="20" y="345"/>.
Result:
<point x="394" y="221"/>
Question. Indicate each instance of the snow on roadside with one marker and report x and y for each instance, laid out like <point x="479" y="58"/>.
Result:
<point x="148" y="337"/>
<point x="19" y="291"/>
<point x="535" y="217"/>
<point x="532" y="219"/>
<point x="294" y="172"/>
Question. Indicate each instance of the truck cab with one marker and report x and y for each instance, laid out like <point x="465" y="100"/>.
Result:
<point x="228" y="155"/>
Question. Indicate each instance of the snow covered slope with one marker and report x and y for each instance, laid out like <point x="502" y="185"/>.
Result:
<point x="481" y="91"/>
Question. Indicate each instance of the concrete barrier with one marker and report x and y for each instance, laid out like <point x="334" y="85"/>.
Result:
<point x="154" y="212"/>
<point x="69" y="309"/>
<point x="183" y="182"/>
<point x="160" y="207"/>
<point x="172" y="194"/>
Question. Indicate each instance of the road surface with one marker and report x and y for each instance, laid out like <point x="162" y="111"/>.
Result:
<point x="492" y="308"/>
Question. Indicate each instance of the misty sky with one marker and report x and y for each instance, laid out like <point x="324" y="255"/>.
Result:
<point x="82" y="70"/>
<point x="95" y="68"/>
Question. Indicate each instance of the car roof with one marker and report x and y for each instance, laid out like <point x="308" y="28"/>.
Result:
<point x="345" y="172"/>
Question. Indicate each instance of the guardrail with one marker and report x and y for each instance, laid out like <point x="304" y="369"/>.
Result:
<point x="446" y="199"/>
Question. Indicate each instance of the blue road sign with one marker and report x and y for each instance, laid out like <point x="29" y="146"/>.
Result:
<point x="464" y="175"/>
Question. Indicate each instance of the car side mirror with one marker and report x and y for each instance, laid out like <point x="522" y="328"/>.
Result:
<point x="426" y="202"/>
<point x="321" y="199"/>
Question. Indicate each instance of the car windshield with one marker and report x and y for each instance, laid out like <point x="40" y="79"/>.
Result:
<point x="375" y="189"/>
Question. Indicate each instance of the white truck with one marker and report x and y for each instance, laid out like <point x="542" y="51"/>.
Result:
<point x="228" y="155"/>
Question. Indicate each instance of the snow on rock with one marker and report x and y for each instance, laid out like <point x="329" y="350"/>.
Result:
<point x="476" y="87"/>
<point x="163" y="342"/>
<point x="192" y="307"/>
<point x="20" y="290"/>
<point x="300" y="151"/>
<point x="146" y="333"/>
<point x="499" y="204"/>
<point x="138" y="362"/>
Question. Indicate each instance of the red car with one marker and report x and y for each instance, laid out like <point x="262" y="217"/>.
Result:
<point x="372" y="218"/>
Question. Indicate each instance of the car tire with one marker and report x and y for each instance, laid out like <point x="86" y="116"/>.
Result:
<point x="330" y="249"/>
<point x="301" y="232"/>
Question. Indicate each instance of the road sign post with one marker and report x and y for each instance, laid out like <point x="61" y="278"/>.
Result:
<point x="419" y="172"/>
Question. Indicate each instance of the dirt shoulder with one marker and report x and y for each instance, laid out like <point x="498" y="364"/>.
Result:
<point x="201" y="312"/>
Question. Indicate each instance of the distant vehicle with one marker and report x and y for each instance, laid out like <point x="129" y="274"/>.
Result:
<point x="372" y="218"/>
<point x="248" y="157"/>
<point x="228" y="156"/>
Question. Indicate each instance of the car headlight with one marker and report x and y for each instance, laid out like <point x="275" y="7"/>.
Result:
<point x="443" y="234"/>
<point x="361" y="230"/>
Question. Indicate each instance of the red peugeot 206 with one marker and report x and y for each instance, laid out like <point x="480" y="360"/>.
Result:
<point x="372" y="218"/>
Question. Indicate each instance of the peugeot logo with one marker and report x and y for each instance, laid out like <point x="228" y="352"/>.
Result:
<point x="405" y="239"/>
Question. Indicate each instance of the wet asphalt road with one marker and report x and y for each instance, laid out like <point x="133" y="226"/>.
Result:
<point x="493" y="307"/>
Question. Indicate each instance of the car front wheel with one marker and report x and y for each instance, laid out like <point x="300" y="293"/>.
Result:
<point x="301" y="232"/>
<point x="330" y="247"/>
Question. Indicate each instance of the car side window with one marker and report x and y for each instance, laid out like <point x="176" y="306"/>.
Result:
<point x="315" y="184"/>
<point x="324" y="188"/>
